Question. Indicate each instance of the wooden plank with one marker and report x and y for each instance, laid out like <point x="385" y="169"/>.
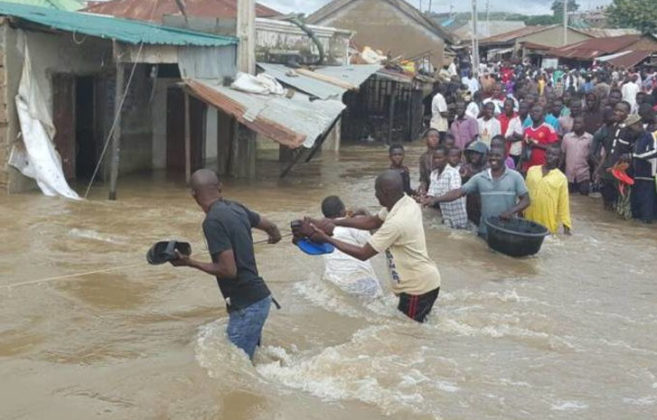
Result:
<point x="188" y="141"/>
<point x="116" y="137"/>
<point x="328" y="79"/>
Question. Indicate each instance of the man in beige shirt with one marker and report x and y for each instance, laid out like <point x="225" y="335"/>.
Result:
<point x="400" y="235"/>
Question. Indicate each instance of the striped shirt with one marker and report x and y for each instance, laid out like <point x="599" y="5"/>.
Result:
<point x="454" y="213"/>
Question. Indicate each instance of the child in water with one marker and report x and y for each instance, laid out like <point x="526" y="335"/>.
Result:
<point x="396" y="154"/>
<point x="454" y="158"/>
<point x="351" y="275"/>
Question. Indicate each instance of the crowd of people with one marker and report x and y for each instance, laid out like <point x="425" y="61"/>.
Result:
<point x="515" y="141"/>
<point x="600" y="122"/>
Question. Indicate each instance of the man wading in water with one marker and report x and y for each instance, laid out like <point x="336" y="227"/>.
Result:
<point x="227" y="228"/>
<point x="400" y="234"/>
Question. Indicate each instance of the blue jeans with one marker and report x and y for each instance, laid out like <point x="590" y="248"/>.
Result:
<point x="245" y="325"/>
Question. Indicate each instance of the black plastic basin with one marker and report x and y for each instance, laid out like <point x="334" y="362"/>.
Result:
<point x="515" y="237"/>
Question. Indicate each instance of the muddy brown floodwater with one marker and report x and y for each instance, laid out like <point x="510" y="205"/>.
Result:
<point x="570" y="333"/>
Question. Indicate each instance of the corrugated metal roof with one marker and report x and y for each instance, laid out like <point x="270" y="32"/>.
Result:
<point x="595" y="47"/>
<point x="608" y="32"/>
<point x="630" y="60"/>
<point x="127" y="31"/>
<point x="293" y="122"/>
<point x="312" y="87"/>
<point x="353" y="74"/>
<point x="68" y="5"/>
<point x="146" y="10"/>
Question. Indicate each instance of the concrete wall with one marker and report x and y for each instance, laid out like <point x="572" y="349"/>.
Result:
<point x="136" y="123"/>
<point x="382" y="26"/>
<point x="553" y="37"/>
<point x="276" y="38"/>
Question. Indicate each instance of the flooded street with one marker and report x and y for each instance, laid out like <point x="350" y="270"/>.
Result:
<point x="569" y="333"/>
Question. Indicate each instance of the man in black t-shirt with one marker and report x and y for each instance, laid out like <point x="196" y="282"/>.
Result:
<point x="227" y="228"/>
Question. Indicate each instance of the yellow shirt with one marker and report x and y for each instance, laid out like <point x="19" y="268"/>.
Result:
<point x="402" y="239"/>
<point x="549" y="198"/>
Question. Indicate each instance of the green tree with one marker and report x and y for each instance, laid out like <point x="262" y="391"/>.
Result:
<point x="557" y="9"/>
<point x="637" y="14"/>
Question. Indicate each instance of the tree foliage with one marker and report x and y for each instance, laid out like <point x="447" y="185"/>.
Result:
<point x="557" y="9"/>
<point x="637" y="14"/>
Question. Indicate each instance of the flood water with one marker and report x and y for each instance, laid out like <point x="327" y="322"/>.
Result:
<point x="570" y="333"/>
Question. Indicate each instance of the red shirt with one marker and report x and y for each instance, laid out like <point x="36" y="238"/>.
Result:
<point x="504" y="124"/>
<point x="545" y="134"/>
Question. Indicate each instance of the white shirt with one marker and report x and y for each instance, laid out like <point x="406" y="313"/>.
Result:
<point x="499" y="105"/>
<point x="515" y="127"/>
<point x="350" y="274"/>
<point x="488" y="129"/>
<point x="472" y="110"/>
<point x="629" y="90"/>
<point x="438" y="105"/>
<point x="452" y="69"/>
<point x="471" y="83"/>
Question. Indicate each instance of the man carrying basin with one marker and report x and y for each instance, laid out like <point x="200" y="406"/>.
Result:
<point x="227" y="228"/>
<point x="400" y="235"/>
<point x="503" y="191"/>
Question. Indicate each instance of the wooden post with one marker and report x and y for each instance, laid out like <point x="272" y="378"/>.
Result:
<point x="246" y="33"/>
<point x="116" y="136"/>
<point x="188" y="141"/>
<point x="391" y="112"/>
<point x="234" y="148"/>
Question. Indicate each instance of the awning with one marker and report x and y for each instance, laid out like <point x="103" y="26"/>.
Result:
<point x="292" y="122"/>
<point x="499" y="51"/>
<point x="336" y="79"/>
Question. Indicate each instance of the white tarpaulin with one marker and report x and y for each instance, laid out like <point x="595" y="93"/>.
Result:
<point x="38" y="159"/>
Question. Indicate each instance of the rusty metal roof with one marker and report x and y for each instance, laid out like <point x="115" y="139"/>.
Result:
<point x="127" y="31"/>
<point x="595" y="47"/>
<point x="292" y="122"/>
<point x="155" y="10"/>
<point x="626" y="59"/>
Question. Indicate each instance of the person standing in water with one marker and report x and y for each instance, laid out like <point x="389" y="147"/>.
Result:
<point x="503" y="191"/>
<point x="396" y="154"/>
<point x="227" y="228"/>
<point x="548" y="191"/>
<point x="400" y="235"/>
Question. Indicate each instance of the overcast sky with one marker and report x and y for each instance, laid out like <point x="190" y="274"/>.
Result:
<point x="526" y="6"/>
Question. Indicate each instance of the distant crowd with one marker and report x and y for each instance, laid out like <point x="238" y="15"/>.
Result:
<point x="598" y="123"/>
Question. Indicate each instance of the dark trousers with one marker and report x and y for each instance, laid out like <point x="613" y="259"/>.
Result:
<point x="583" y="187"/>
<point x="644" y="200"/>
<point x="609" y="191"/>
<point x="417" y="307"/>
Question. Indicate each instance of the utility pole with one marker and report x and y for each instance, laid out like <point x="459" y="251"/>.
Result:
<point x="487" y="18"/>
<point x="246" y="34"/>
<point x="475" y="40"/>
<point x="565" y="22"/>
<point x="429" y="6"/>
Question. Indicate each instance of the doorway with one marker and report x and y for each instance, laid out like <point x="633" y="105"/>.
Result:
<point x="73" y="117"/>
<point x="87" y="153"/>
